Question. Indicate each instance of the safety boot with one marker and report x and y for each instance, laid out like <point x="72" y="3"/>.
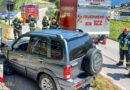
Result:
<point x="119" y="64"/>
<point x="128" y="75"/>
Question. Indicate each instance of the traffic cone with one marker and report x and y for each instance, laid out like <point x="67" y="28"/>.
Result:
<point x="1" y="80"/>
<point x="104" y="41"/>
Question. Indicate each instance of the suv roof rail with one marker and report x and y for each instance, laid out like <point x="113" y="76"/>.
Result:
<point x="57" y="35"/>
<point x="79" y="30"/>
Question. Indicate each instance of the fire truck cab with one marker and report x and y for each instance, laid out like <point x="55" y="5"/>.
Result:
<point x="30" y="9"/>
<point x="92" y="16"/>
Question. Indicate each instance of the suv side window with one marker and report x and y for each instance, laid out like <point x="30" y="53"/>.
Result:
<point x="56" y="49"/>
<point x="22" y="43"/>
<point x="38" y="46"/>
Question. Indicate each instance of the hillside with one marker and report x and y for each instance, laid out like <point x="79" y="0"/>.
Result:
<point x="118" y="2"/>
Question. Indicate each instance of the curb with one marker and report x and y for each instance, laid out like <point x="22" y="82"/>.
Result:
<point x="104" y="75"/>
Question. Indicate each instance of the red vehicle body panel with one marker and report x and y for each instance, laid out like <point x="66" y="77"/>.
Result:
<point x="68" y="13"/>
<point x="30" y="10"/>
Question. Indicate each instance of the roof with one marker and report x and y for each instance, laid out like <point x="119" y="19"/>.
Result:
<point x="66" y="34"/>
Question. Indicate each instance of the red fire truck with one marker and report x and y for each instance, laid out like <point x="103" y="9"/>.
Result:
<point x="92" y="16"/>
<point x="30" y="9"/>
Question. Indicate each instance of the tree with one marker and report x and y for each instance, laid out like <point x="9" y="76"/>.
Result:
<point x="57" y="3"/>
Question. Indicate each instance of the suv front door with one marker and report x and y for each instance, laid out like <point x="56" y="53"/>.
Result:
<point x="38" y="54"/>
<point x="18" y="55"/>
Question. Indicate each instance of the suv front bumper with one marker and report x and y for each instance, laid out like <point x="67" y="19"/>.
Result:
<point x="71" y="83"/>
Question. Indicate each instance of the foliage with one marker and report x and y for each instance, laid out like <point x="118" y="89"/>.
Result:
<point x="57" y="3"/>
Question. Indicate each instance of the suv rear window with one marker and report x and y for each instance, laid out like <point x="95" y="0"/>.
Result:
<point x="78" y="47"/>
<point x="56" y="49"/>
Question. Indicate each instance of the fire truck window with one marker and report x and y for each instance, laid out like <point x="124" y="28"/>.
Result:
<point x="56" y="50"/>
<point x="38" y="46"/>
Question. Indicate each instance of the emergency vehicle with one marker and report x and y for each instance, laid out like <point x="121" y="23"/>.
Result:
<point x="30" y="9"/>
<point x="91" y="16"/>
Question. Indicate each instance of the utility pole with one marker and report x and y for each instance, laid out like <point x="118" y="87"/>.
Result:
<point x="9" y="10"/>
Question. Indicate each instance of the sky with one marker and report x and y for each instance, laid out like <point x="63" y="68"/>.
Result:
<point x="118" y="2"/>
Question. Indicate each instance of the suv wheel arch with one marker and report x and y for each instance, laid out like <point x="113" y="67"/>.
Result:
<point x="51" y="74"/>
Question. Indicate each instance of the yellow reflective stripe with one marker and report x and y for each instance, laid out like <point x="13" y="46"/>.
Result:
<point x="121" y="60"/>
<point x="45" y="27"/>
<point x="125" y="45"/>
<point x="127" y="62"/>
<point x="32" y="27"/>
<point x="19" y="30"/>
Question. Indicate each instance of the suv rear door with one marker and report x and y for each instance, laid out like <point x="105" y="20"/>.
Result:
<point x="77" y="51"/>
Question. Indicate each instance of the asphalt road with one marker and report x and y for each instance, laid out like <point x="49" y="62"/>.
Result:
<point x="110" y="58"/>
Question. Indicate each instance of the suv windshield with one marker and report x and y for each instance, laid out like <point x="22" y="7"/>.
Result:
<point x="78" y="47"/>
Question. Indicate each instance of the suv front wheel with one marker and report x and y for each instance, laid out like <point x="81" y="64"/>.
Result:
<point x="46" y="82"/>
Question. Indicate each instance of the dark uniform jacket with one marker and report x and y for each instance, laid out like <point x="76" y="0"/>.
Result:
<point x="45" y="24"/>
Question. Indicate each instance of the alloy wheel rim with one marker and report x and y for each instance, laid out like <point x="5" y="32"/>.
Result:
<point x="46" y="84"/>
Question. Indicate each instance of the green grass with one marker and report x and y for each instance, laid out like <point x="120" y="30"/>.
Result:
<point x="104" y="84"/>
<point x="116" y="28"/>
<point x="5" y="31"/>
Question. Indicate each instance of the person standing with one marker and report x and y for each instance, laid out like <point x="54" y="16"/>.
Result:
<point x="32" y="24"/>
<point x="24" y="18"/>
<point x="14" y="24"/>
<point x="19" y="27"/>
<point x="128" y="61"/>
<point x="45" y="23"/>
<point x="54" y="24"/>
<point x="123" y="46"/>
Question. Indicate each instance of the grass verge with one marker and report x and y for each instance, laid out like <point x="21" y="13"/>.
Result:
<point x="104" y="84"/>
<point x="5" y="30"/>
<point x="116" y="28"/>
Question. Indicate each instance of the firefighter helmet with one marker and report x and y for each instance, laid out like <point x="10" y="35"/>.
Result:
<point x="21" y="19"/>
<point x="44" y="17"/>
<point x="32" y="17"/>
<point x="15" y="17"/>
<point x="125" y="29"/>
<point x="53" y="20"/>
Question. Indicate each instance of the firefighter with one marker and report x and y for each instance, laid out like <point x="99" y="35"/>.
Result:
<point x="128" y="62"/>
<point x="14" y="24"/>
<point x="45" y="23"/>
<point x="32" y="24"/>
<point x="19" y="28"/>
<point x="24" y="18"/>
<point x="124" y="46"/>
<point x="54" y="24"/>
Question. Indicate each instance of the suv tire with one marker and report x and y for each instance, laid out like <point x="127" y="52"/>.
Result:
<point x="93" y="61"/>
<point x="46" y="82"/>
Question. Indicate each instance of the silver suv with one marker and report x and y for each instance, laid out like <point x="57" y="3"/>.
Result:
<point x="56" y="59"/>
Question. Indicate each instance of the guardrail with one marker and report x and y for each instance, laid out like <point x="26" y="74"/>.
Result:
<point x="120" y="20"/>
